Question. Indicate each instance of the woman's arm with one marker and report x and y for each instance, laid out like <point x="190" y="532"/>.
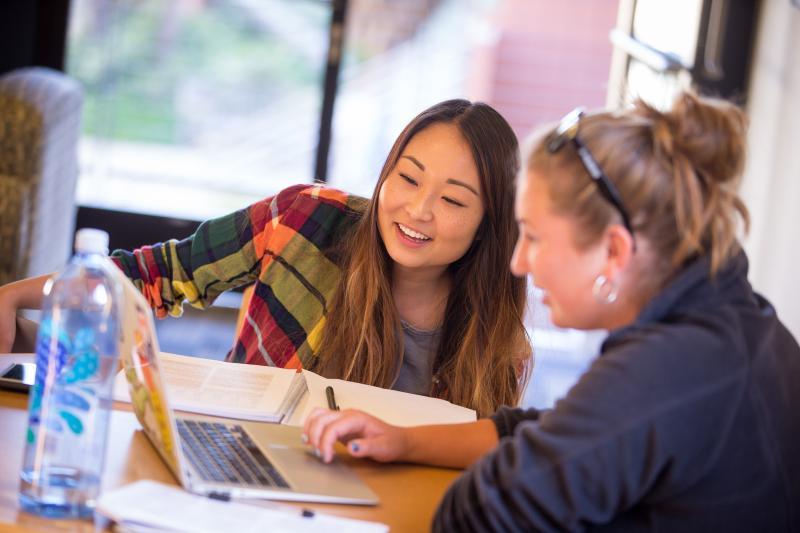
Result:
<point x="222" y="254"/>
<point x="23" y="294"/>
<point x="449" y="445"/>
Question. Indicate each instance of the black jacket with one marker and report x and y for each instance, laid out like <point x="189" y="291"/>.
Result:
<point x="688" y="421"/>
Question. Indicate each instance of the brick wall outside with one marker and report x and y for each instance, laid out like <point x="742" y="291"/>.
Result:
<point x="545" y="58"/>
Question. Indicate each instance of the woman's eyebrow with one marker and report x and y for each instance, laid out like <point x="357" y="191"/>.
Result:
<point x="465" y="185"/>
<point x="450" y="181"/>
<point x="415" y="161"/>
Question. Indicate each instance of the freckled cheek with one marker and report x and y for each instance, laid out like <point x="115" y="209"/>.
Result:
<point x="458" y="227"/>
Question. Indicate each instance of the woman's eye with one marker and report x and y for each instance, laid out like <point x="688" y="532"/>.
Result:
<point x="451" y="201"/>
<point x="409" y="179"/>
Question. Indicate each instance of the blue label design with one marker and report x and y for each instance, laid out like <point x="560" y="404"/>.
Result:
<point x="76" y="360"/>
<point x="67" y="398"/>
<point x="72" y="421"/>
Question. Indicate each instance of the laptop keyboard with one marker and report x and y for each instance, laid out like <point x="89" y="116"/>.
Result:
<point x="224" y="453"/>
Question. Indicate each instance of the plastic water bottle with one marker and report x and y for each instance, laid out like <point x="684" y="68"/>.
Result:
<point x="70" y="402"/>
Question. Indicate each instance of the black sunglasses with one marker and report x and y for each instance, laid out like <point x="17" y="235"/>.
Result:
<point x="567" y="130"/>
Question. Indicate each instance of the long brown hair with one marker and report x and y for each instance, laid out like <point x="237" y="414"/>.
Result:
<point x="677" y="171"/>
<point x="483" y="355"/>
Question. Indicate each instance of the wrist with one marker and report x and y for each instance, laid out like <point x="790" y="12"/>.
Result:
<point x="23" y="294"/>
<point x="408" y="448"/>
<point x="8" y="296"/>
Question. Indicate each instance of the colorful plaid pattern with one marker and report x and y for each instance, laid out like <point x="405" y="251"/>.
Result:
<point x="283" y="243"/>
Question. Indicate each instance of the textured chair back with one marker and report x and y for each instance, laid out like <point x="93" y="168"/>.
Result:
<point x="40" y="116"/>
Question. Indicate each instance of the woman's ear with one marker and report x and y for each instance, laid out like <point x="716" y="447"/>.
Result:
<point x="619" y="248"/>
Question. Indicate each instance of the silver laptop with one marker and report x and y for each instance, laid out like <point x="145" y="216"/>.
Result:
<point x="218" y="457"/>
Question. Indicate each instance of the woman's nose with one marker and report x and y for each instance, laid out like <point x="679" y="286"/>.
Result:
<point x="420" y="206"/>
<point x="518" y="265"/>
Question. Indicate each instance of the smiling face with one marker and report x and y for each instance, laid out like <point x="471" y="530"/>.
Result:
<point x="430" y="205"/>
<point x="546" y="250"/>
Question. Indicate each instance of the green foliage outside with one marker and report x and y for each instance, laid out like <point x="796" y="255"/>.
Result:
<point x="136" y="60"/>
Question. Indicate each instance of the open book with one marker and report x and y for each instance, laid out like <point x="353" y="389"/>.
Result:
<point x="286" y="396"/>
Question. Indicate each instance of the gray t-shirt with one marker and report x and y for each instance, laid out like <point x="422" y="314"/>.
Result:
<point x="416" y="373"/>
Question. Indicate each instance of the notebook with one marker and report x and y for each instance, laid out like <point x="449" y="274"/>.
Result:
<point x="219" y="457"/>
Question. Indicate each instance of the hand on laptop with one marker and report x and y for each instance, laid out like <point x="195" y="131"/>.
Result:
<point x="448" y="445"/>
<point x="364" y="435"/>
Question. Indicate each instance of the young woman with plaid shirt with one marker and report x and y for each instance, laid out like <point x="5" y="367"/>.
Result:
<point x="407" y="290"/>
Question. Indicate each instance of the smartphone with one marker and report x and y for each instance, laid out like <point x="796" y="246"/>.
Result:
<point x="18" y="376"/>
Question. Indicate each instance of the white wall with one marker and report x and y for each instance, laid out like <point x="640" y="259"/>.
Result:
<point x="771" y="186"/>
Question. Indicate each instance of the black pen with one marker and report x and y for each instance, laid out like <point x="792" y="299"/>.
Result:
<point x="331" y="398"/>
<point x="226" y="497"/>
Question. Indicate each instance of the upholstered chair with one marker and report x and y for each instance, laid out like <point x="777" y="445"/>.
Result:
<point x="40" y="111"/>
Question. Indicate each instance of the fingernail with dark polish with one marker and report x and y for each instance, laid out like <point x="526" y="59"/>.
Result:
<point x="354" y="446"/>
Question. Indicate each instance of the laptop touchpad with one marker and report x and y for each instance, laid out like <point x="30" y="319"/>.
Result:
<point x="302" y="468"/>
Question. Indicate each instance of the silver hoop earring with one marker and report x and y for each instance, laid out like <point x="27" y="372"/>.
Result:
<point x="604" y="290"/>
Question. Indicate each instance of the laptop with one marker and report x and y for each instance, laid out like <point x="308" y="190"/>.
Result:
<point x="218" y="457"/>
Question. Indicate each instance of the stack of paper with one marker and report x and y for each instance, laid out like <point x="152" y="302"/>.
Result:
<point x="147" y="506"/>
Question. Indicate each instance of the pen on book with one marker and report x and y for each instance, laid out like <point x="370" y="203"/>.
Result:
<point x="331" y="398"/>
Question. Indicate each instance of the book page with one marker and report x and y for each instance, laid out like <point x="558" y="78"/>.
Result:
<point x="391" y="406"/>
<point x="218" y="388"/>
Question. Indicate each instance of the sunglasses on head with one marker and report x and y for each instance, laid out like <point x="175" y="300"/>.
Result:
<point x="567" y="131"/>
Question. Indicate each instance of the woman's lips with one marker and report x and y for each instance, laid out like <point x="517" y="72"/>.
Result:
<point x="409" y="241"/>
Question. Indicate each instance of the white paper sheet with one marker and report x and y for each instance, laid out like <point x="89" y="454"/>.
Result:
<point x="150" y="506"/>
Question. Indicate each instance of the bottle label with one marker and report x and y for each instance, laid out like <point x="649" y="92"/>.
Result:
<point x="74" y="361"/>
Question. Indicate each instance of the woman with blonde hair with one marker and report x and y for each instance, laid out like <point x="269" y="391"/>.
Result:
<point x="407" y="290"/>
<point x="688" y="419"/>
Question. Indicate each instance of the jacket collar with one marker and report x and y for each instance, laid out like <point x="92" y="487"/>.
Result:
<point x="694" y="289"/>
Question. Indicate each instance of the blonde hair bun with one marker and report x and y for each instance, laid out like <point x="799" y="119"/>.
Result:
<point x="710" y="133"/>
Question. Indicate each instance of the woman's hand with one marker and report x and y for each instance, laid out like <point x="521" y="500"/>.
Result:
<point x="364" y="435"/>
<point x="8" y="321"/>
<point x="23" y="294"/>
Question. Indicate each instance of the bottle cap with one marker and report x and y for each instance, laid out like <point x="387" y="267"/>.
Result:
<point x="90" y="240"/>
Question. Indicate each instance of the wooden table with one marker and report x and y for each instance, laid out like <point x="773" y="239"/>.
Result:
<point x="408" y="494"/>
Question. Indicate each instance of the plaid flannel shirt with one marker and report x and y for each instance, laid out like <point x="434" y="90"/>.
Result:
<point x="283" y="243"/>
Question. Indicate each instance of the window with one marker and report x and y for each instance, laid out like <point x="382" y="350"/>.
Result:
<point x="195" y="108"/>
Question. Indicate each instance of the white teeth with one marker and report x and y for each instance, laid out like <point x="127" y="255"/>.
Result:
<point x="411" y="233"/>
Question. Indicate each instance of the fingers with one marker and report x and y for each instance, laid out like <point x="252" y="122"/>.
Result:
<point x="317" y="422"/>
<point x="346" y="426"/>
<point x="384" y="447"/>
<point x="311" y="421"/>
<point x="361" y="447"/>
<point x="323" y="428"/>
<point x="365" y="435"/>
